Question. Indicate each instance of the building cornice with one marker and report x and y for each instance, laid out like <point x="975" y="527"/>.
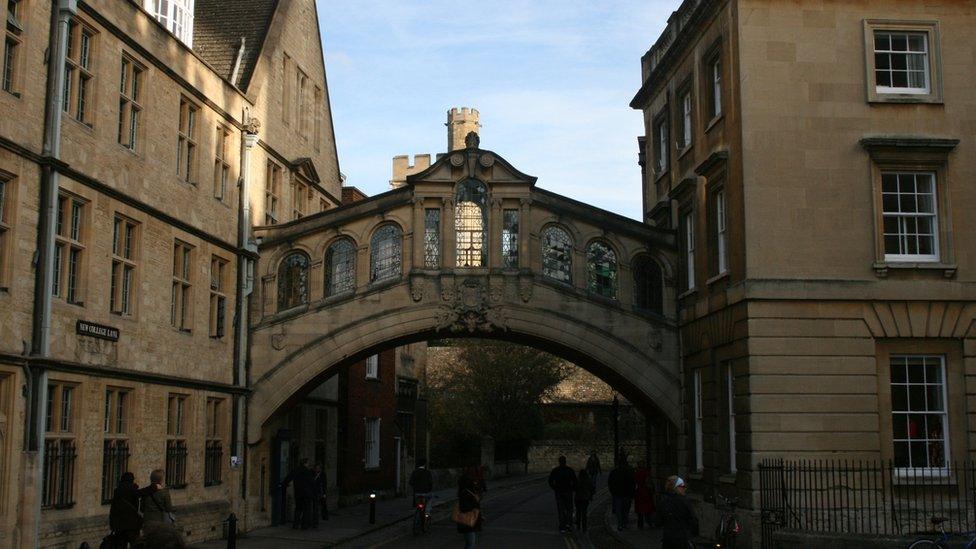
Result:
<point x="908" y="142"/>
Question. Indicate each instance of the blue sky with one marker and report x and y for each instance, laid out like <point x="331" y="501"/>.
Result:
<point x="552" y="81"/>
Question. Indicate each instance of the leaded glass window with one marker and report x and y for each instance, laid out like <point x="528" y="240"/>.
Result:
<point x="601" y="267"/>
<point x="557" y="255"/>
<point x="470" y="223"/>
<point x="648" y="285"/>
<point x="340" y="265"/>
<point x="510" y="236"/>
<point x="293" y="281"/>
<point x="385" y="253"/>
<point x="432" y="238"/>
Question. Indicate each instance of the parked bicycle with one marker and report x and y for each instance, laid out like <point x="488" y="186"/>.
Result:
<point x="421" y="513"/>
<point x="942" y="539"/>
<point x="729" y="527"/>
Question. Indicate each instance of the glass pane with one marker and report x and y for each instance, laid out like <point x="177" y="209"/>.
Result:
<point x="557" y="254"/>
<point x="899" y="42"/>
<point x="881" y="41"/>
<point x="470" y="222"/>
<point x="899" y="426"/>
<point x="933" y="398"/>
<point x="385" y="253"/>
<point x="881" y="61"/>
<point x="901" y="454"/>
<point x="899" y="79"/>
<point x="293" y="281"/>
<point x="918" y="454"/>
<point x="899" y="398"/>
<point x="889" y="183"/>
<point x="933" y="370"/>
<point x="602" y="269"/>
<point x="916" y="42"/>
<point x="915" y="427"/>
<point x="916" y="398"/>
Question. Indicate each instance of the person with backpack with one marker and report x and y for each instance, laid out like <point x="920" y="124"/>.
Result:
<point x="582" y="496"/>
<point x="124" y="516"/>
<point x="678" y="521"/>
<point x="157" y="507"/>
<point x="467" y="510"/>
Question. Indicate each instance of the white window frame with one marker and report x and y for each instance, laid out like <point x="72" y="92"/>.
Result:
<point x="371" y="451"/>
<point x="927" y="88"/>
<point x="175" y="15"/>
<point x="373" y="367"/>
<point x="716" y="66"/>
<point x="730" y="396"/>
<point x="947" y="450"/>
<point x="699" y="422"/>
<point x="720" y="232"/>
<point x="934" y="216"/>
<point x="686" y="125"/>
<point x="661" y="144"/>
<point x="932" y="92"/>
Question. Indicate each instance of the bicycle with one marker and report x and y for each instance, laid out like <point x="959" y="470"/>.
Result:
<point x="943" y="538"/>
<point x="729" y="526"/>
<point x="421" y="513"/>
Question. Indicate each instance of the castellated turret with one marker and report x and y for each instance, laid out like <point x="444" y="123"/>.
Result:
<point x="460" y="122"/>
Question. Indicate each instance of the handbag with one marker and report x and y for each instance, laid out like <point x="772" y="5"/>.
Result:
<point x="466" y="518"/>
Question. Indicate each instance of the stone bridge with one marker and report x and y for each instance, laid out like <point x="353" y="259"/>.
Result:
<point x="468" y="247"/>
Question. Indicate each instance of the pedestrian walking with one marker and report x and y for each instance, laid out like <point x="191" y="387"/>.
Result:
<point x="678" y="519"/>
<point x="643" y="495"/>
<point x="467" y="512"/>
<point x="562" y="480"/>
<point x="157" y="507"/>
<point x="593" y="467"/>
<point x="582" y="496"/>
<point x="621" y="484"/>
<point x="124" y="516"/>
<point x="302" y="477"/>
<point x="319" y="506"/>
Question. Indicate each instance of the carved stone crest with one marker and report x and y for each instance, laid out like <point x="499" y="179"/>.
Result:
<point x="457" y="160"/>
<point x="418" y="288"/>
<point x="486" y="160"/>
<point x="525" y="287"/>
<point x="655" y="339"/>
<point x="470" y="310"/>
<point x="278" y="340"/>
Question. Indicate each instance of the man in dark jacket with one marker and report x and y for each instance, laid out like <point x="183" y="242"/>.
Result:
<point x="562" y="480"/>
<point x="678" y="521"/>
<point x="593" y="467"/>
<point x="421" y="481"/>
<point x="303" y="477"/>
<point x="123" y="517"/>
<point x="622" y="488"/>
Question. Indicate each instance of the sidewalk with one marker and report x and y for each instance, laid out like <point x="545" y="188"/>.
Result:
<point x="347" y="524"/>
<point x="649" y="538"/>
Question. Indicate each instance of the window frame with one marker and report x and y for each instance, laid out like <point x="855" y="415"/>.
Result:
<point x="372" y="367"/>
<point x="698" y="411"/>
<point x="176" y="439"/>
<point x="592" y="276"/>
<point x="713" y="78"/>
<point x="69" y="275"/>
<point x="372" y="440"/>
<point x="8" y="202"/>
<point x="124" y="288"/>
<point x="132" y="81"/>
<point x="396" y="257"/>
<point x="187" y="143"/>
<point x="272" y="192"/>
<point x="432" y="238"/>
<point x="181" y="307"/>
<point x="213" y="442"/>
<point x="688" y="241"/>
<point x="10" y="64"/>
<point x="279" y="274"/>
<point x="730" y="418"/>
<point x="79" y="85"/>
<point x="56" y="434"/>
<point x="348" y="285"/>
<point x="932" y="32"/>
<point x="218" y="296"/>
<point x="511" y="218"/>
<point x="662" y="143"/>
<point x="943" y="414"/>
<point x="685" y="140"/>
<point x="718" y="236"/>
<point x="221" y="174"/>
<point x="549" y="262"/>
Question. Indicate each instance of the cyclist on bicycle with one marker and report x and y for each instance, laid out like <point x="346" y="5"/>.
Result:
<point x="421" y="481"/>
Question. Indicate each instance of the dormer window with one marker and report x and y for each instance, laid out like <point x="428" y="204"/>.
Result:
<point x="175" y="15"/>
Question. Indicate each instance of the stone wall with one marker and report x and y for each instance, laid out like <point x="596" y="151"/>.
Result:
<point x="544" y="455"/>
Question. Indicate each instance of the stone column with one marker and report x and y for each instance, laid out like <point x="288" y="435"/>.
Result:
<point x="448" y="245"/>
<point x="419" y="233"/>
<point x="524" y="222"/>
<point x="495" y="234"/>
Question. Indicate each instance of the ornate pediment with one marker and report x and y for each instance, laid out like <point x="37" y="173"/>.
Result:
<point x="472" y="162"/>
<point x="305" y="168"/>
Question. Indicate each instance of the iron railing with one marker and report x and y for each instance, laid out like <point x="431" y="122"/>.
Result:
<point x="864" y="497"/>
<point x="58" y="483"/>
<point x="176" y="463"/>
<point x="115" y="461"/>
<point x="213" y="455"/>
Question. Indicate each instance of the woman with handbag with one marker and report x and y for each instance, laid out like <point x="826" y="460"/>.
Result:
<point x="467" y="511"/>
<point x="124" y="516"/>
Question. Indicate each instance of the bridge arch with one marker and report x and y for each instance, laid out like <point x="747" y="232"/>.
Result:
<point x="632" y="348"/>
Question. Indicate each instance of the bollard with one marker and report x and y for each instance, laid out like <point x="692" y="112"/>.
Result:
<point x="232" y="531"/>
<point x="372" y="508"/>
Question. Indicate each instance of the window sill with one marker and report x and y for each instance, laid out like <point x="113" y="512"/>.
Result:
<point x="373" y="379"/>
<point x="658" y="176"/>
<point x="219" y="338"/>
<point x="184" y="331"/>
<point x="714" y="121"/>
<point x="882" y="268"/>
<point x="13" y="93"/>
<point x="83" y="125"/>
<point x="697" y="474"/>
<point x="688" y="293"/>
<point x="728" y="478"/>
<point x="124" y="316"/>
<point x="133" y="152"/>
<point x="213" y="484"/>
<point x="923" y="476"/>
<point x="904" y="98"/>
<point x="685" y="150"/>
<point x="716" y="278"/>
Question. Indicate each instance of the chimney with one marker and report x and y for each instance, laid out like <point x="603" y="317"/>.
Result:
<point x="460" y="122"/>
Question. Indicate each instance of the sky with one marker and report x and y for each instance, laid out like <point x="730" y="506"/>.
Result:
<point x="552" y="81"/>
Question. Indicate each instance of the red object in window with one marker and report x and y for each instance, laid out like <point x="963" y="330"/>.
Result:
<point x="912" y="429"/>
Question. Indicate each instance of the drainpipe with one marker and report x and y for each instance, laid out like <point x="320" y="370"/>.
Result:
<point x="245" y="286"/>
<point x="36" y="377"/>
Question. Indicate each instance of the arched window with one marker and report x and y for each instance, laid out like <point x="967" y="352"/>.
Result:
<point x="386" y="253"/>
<point x="557" y="255"/>
<point x="471" y="222"/>
<point x="293" y="281"/>
<point x="340" y="267"/>
<point x="648" y="284"/>
<point x="601" y="268"/>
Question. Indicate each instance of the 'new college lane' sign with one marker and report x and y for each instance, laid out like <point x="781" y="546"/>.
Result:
<point x="83" y="327"/>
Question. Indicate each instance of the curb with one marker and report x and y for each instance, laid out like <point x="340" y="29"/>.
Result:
<point x="442" y="510"/>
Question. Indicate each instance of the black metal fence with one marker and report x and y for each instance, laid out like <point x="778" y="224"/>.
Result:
<point x="213" y="457"/>
<point x="59" y="473"/>
<point x="864" y="497"/>
<point x="115" y="461"/>
<point x="176" y="463"/>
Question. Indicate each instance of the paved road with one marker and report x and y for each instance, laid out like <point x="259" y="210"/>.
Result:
<point x="522" y="517"/>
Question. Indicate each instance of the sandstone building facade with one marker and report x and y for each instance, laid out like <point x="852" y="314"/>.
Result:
<point x="815" y="162"/>
<point x="178" y="131"/>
